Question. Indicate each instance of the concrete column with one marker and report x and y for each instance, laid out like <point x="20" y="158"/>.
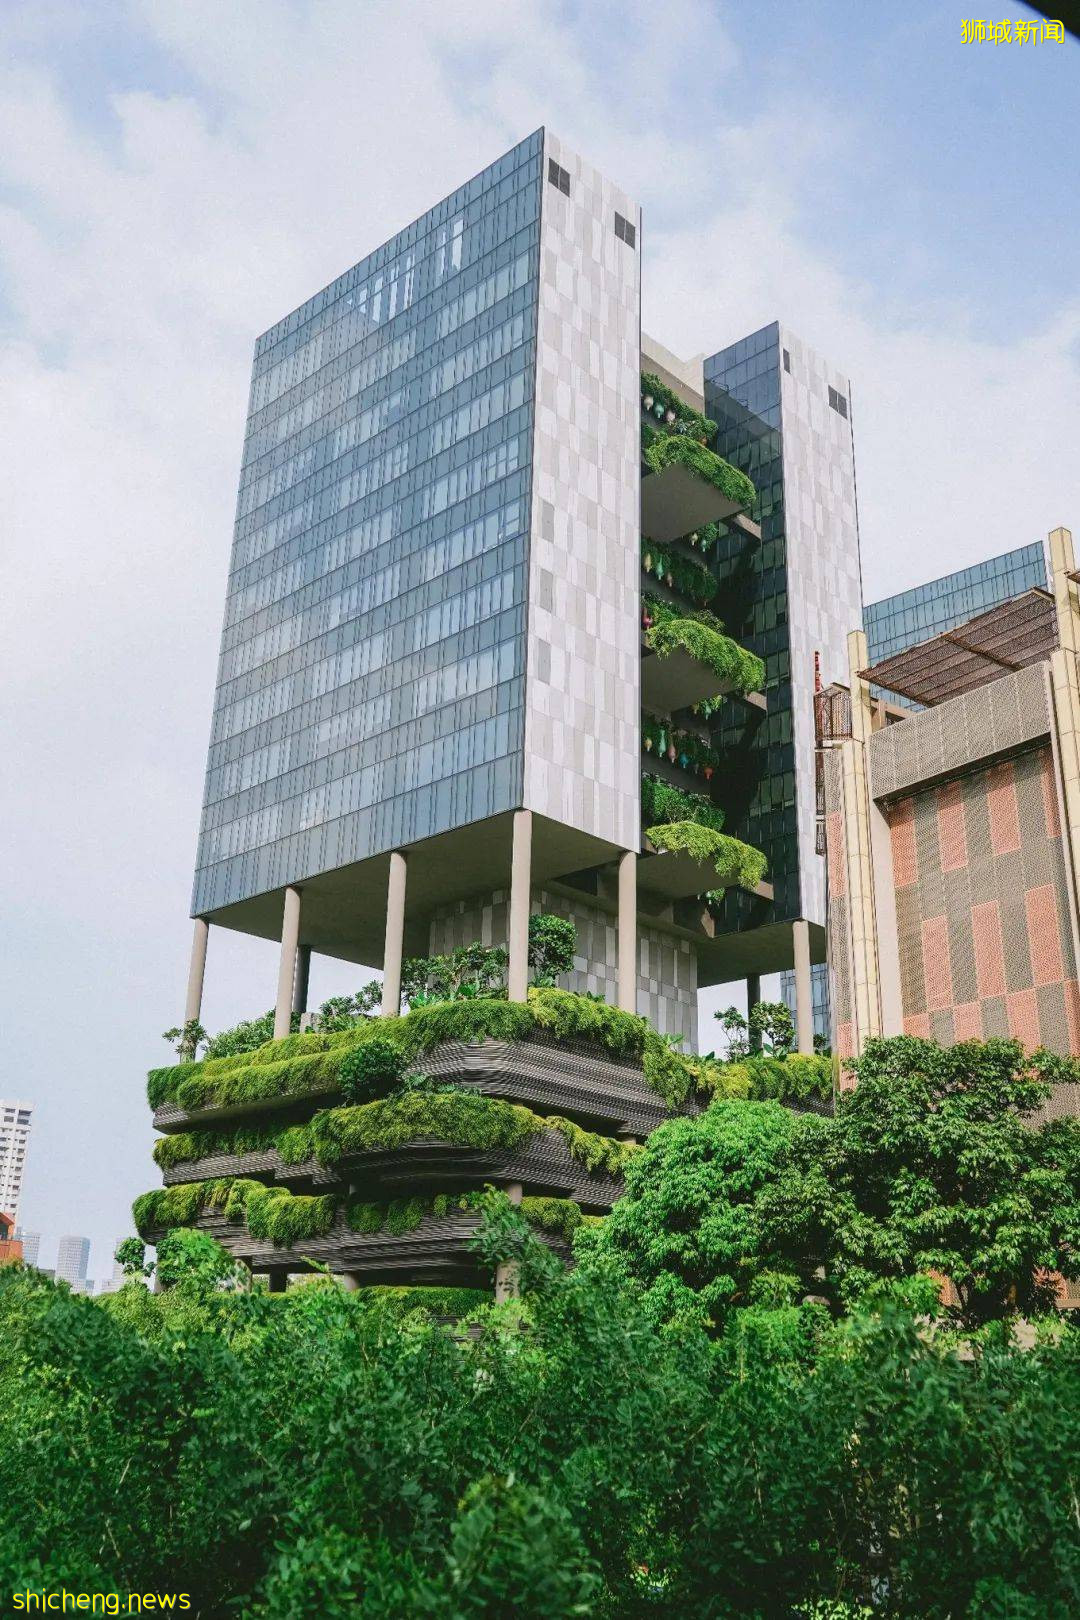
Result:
<point x="197" y="970"/>
<point x="278" y="1281"/>
<point x="628" y="941"/>
<point x="300" y="979"/>
<point x="508" y="1272"/>
<point x="753" y="996"/>
<point x="348" y="1282"/>
<point x="804" y="996"/>
<point x="290" y="937"/>
<point x="395" y="935"/>
<point x="520" y="886"/>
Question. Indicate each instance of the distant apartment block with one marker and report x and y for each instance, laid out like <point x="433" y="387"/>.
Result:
<point x="14" y="1138"/>
<point x="72" y="1259"/>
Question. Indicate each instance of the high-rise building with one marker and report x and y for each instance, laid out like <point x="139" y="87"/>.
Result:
<point x="471" y="667"/>
<point x="14" y="1138"/>
<point x="953" y="831"/>
<point x="31" y="1246"/>
<point x="786" y="418"/>
<point x="72" y="1259"/>
<point x="911" y="616"/>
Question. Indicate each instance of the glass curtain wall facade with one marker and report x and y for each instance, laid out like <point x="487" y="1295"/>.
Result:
<point x="370" y="683"/>
<point x="742" y="395"/>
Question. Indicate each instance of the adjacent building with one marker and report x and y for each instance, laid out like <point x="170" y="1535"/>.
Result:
<point x="10" y="1246"/>
<point x="15" y="1120"/>
<point x="911" y="616"/>
<point x="953" y="833"/>
<point x="72" y="1259"/>
<point x="31" y="1246"/>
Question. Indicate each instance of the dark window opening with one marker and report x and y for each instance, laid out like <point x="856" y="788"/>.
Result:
<point x="625" y="231"/>
<point x="787" y="361"/>
<point x="559" y="177"/>
<point x="838" y="402"/>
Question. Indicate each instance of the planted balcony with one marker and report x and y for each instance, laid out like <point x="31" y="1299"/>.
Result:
<point x="687" y="660"/>
<point x="686" y="851"/>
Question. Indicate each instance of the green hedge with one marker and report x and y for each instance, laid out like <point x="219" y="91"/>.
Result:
<point x="402" y="1215"/>
<point x="733" y="861"/>
<point x="670" y="449"/>
<point x="743" y="671"/>
<point x="302" y="1065"/>
<point x="797" y="1077"/>
<point x="436" y="1301"/>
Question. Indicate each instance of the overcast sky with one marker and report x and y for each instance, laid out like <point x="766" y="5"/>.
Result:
<point x="175" y="175"/>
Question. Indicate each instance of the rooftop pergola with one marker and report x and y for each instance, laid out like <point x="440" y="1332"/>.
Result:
<point x="1008" y="637"/>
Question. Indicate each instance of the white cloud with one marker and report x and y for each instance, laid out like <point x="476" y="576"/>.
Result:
<point x="147" y="235"/>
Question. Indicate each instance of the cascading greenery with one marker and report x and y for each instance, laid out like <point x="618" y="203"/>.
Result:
<point x="467" y="1119"/>
<point x="671" y="450"/>
<point x="402" y="1215"/>
<point x="735" y="863"/>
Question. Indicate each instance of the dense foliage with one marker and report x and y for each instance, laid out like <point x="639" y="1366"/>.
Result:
<point x="664" y="401"/>
<point x="934" y="1165"/>
<point x="326" y="1453"/>
<point x="691" y="579"/>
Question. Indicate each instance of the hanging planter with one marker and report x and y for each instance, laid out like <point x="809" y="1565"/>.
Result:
<point x="669" y="416"/>
<point x="648" y="402"/>
<point x="648" y="743"/>
<point x="707" y="773"/>
<point x="671" y="752"/>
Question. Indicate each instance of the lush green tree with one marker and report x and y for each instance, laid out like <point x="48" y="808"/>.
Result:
<point x="939" y="1164"/>
<point x="770" y="1029"/>
<point x="186" y="1039"/>
<point x="552" y="942"/>
<point x="720" y="1210"/>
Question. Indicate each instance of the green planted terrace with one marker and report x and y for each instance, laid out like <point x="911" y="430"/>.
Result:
<point x="691" y="579"/>
<point x="310" y="1065"/>
<point x="663" y="450"/>
<point x="275" y="1215"/>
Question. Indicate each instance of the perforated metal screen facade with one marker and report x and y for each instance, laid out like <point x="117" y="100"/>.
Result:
<point x="982" y="908"/>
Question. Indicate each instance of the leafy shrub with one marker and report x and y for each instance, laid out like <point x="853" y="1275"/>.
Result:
<point x="370" y="1070"/>
<point x="679" y="573"/>
<point x="733" y="861"/>
<point x="662" y="802"/>
<point x="552" y="942"/>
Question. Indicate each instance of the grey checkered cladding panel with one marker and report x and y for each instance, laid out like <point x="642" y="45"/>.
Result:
<point x="582" y="760"/>
<point x="667" y="967"/>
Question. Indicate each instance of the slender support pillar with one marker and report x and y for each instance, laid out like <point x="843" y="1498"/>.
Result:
<point x="520" y="884"/>
<point x="278" y="1281"/>
<point x="628" y="946"/>
<point x="507" y="1272"/>
<point x="197" y="970"/>
<point x="395" y="935"/>
<point x="348" y="1282"/>
<point x="804" y="996"/>
<point x="753" y="996"/>
<point x="301" y="978"/>
<point x="290" y="938"/>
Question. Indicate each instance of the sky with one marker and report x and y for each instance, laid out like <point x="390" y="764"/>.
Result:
<point x="175" y="175"/>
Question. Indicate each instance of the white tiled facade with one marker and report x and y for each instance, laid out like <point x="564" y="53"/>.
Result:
<point x="14" y="1136"/>
<point x="667" y="967"/>
<point x="824" y="584"/>
<point x="582" y="716"/>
